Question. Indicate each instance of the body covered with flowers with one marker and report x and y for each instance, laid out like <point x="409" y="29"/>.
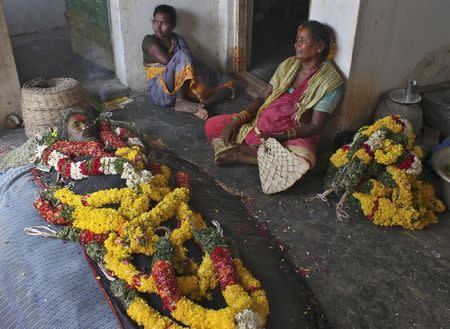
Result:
<point x="380" y="168"/>
<point x="113" y="236"/>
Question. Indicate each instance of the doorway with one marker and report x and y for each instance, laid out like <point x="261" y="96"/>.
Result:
<point x="274" y="27"/>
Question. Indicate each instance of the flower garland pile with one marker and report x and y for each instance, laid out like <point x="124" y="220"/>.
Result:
<point x="380" y="169"/>
<point x="125" y="157"/>
<point x="113" y="236"/>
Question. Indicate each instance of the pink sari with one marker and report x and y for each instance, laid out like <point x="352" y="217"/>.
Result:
<point x="277" y="117"/>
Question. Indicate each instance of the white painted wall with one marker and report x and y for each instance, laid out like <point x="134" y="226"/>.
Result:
<point x="392" y="38"/>
<point x="199" y="23"/>
<point x="379" y="43"/>
<point x="342" y="16"/>
<point x="25" y="16"/>
<point x="9" y="82"/>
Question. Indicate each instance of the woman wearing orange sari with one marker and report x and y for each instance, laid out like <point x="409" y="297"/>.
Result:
<point x="292" y="110"/>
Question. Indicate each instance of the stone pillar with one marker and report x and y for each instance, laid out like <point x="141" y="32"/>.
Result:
<point x="9" y="81"/>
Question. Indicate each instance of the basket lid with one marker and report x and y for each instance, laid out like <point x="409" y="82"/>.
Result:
<point x="49" y="86"/>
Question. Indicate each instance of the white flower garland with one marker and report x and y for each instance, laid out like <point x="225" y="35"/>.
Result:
<point x="134" y="178"/>
<point x="247" y="319"/>
<point x="375" y="140"/>
<point x="107" y="167"/>
<point x="75" y="171"/>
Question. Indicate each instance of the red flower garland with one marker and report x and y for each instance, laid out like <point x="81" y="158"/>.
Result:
<point x="166" y="282"/>
<point x="109" y="138"/>
<point x="154" y="167"/>
<point x="49" y="213"/>
<point x="224" y="266"/>
<point x="397" y="119"/>
<point x="76" y="149"/>
<point x="87" y="237"/>
<point x="407" y="163"/>
<point x="366" y="148"/>
<point x="183" y="180"/>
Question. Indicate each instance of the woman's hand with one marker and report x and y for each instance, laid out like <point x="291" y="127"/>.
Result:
<point x="281" y="137"/>
<point x="229" y="132"/>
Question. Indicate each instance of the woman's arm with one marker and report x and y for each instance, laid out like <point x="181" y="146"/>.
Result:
<point x="317" y="123"/>
<point x="230" y="131"/>
<point x="253" y="107"/>
<point x="320" y="113"/>
<point x="314" y="127"/>
<point x="157" y="53"/>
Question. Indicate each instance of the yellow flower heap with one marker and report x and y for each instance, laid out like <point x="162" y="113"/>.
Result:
<point x="135" y="228"/>
<point x="380" y="169"/>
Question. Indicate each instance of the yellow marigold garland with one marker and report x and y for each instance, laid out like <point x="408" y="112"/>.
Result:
<point x="99" y="221"/>
<point x="365" y="157"/>
<point x="131" y="230"/>
<point x="207" y="275"/>
<point x="133" y="155"/>
<point x="389" y="152"/>
<point x="378" y="189"/>
<point x="147" y="317"/>
<point x="418" y="152"/>
<point x="387" y="122"/>
<point x="339" y="158"/>
<point x="402" y="194"/>
<point x="194" y="286"/>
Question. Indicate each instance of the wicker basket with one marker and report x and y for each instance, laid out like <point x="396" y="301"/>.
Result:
<point x="44" y="101"/>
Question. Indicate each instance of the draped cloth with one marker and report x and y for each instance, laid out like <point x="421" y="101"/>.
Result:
<point x="326" y="79"/>
<point x="165" y="81"/>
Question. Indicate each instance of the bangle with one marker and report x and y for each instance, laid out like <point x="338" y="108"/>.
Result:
<point x="291" y="133"/>
<point x="241" y="118"/>
<point x="245" y="115"/>
<point x="236" y="118"/>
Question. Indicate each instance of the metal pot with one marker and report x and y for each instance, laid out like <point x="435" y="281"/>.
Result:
<point x="439" y="160"/>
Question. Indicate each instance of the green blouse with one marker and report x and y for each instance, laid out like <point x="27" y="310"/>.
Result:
<point x="149" y="41"/>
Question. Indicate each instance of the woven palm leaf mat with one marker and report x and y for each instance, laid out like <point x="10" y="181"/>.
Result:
<point x="291" y="302"/>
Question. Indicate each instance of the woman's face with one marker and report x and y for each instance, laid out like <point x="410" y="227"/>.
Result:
<point x="305" y="47"/>
<point x="161" y="25"/>
<point x="79" y="128"/>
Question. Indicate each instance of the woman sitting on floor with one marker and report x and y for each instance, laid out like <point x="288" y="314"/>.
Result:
<point x="174" y="75"/>
<point x="293" y="109"/>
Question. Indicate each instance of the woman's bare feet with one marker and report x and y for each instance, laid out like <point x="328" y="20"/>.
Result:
<point x="217" y="96"/>
<point x="197" y="109"/>
<point x="236" y="156"/>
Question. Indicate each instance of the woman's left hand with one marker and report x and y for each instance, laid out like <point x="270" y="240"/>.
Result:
<point x="281" y="137"/>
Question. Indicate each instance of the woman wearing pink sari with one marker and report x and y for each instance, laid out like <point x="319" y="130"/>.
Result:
<point x="292" y="110"/>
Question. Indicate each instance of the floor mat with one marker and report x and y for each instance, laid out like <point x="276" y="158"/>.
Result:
<point x="5" y="148"/>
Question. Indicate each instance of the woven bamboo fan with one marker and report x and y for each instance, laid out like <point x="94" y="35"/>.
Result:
<point x="44" y="101"/>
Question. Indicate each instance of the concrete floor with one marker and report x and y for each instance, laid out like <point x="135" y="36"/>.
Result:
<point x="362" y="275"/>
